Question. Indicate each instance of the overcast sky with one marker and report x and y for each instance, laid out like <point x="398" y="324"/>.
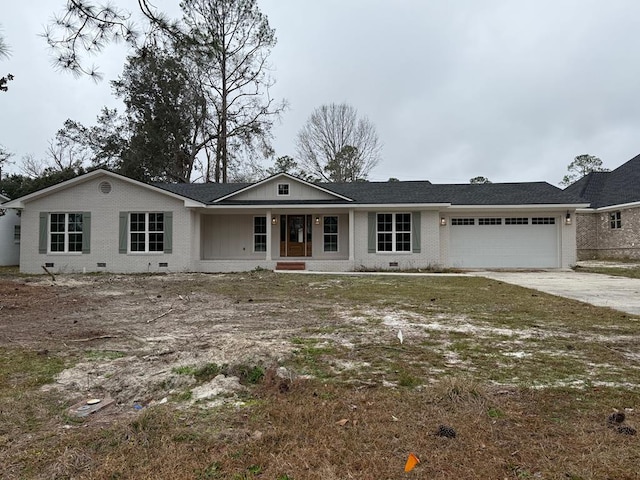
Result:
<point x="507" y="89"/>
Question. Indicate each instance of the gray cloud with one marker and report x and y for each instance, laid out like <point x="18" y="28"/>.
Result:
<point x="508" y="90"/>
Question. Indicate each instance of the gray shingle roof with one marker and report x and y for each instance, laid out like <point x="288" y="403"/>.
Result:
<point x="414" y="192"/>
<point x="604" y="189"/>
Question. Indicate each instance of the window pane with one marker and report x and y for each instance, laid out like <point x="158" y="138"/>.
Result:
<point x="137" y="223"/>
<point x="75" y="222"/>
<point x="156" y="222"/>
<point x="385" y="222"/>
<point x="385" y="242"/>
<point x="330" y="224"/>
<point x="75" y="242"/>
<point x="57" y="242"/>
<point x="156" y="242"/>
<point x="57" y="222"/>
<point x="331" y="243"/>
<point x="260" y="243"/>
<point x="137" y="242"/>
<point x="403" y="222"/>
<point x="403" y="242"/>
<point x="260" y="225"/>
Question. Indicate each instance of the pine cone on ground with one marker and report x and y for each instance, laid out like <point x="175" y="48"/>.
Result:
<point x="626" y="430"/>
<point x="446" y="431"/>
<point x="616" y="418"/>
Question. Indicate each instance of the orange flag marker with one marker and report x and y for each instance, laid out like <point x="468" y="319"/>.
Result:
<point x="412" y="461"/>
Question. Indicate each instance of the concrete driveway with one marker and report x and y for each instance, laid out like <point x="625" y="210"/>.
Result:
<point x="620" y="293"/>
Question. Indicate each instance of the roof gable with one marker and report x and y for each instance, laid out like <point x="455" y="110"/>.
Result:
<point x="20" y="202"/>
<point x="282" y="187"/>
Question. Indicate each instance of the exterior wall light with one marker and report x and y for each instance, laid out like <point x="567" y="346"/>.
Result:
<point x="567" y="219"/>
<point x="443" y="221"/>
<point x="274" y="220"/>
<point x="317" y="220"/>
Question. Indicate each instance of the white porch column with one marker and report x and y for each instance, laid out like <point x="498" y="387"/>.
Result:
<point x="269" y="229"/>
<point x="352" y="236"/>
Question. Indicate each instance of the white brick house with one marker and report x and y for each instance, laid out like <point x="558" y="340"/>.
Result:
<point x="102" y="221"/>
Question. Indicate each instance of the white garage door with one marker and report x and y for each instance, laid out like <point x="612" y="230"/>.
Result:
<point x="507" y="242"/>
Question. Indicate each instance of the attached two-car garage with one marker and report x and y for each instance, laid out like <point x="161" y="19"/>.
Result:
<point x="504" y="242"/>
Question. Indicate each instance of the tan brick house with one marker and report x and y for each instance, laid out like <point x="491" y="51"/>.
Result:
<point x="610" y="227"/>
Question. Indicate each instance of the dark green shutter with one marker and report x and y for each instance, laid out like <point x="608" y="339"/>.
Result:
<point x="123" y="232"/>
<point x="86" y="232"/>
<point x="44" y="223"/>
<point x="372" y="232"/>
<point x="415" y="230"/>
<point x="168" y="232"/>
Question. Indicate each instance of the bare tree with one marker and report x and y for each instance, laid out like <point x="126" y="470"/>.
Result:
<point x="229" y="44"/>
<point x="335" y="145"/>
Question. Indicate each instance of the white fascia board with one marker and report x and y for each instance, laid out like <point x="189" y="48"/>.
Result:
<point x="616" y="207"/>
<point x="377" y="206"/>
<point x="401" y="206"/>
<point x="538" y="206"/>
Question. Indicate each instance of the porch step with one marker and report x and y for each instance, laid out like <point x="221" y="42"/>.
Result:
<point x="291" y="266"/>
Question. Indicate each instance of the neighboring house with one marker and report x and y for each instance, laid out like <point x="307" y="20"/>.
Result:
<point x="610" y="227"/>
<point x="9" y="235"/>
<point x="102" y="221"/>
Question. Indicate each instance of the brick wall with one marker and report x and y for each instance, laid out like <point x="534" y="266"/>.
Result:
<point x="105" y="208"/>
<point x="597" y="240"/>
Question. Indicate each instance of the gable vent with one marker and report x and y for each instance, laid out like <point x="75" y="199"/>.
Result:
<point x="105" y="187"/>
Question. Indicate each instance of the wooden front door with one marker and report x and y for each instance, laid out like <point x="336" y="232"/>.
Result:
<point x="297" y="236"/>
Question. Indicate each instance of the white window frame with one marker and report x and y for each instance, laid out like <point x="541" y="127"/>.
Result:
<point x="260" y="234"/>
<point x="17" y="233"/>
<point x="286" y="189"/>
<point x="394" y="233"/>
<point x="65" y="233"/>
<point x="147" y="233"/>
<point x="336" y="234"/>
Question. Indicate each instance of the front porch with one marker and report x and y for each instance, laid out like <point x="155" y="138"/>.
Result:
<point x="233" y="241"/>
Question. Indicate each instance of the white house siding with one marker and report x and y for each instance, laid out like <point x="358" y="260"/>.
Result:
<point x="269" y="191"/>
<point x="429" y="255"/>
<point x="9" y="248"/>
<point x="105" y="209"/>
<point x="229" y="237"/>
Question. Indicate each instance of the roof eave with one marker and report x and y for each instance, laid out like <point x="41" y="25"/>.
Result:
<point x="19" y="203"/>
<point x="526" y="206"/>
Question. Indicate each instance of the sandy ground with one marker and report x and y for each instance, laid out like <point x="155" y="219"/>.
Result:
<point x="131" y="333"/>
<point x="127" y="337"/>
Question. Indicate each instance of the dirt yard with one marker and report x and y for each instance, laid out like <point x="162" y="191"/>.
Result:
<point x="131" y="333"/>
<point x="528" y="380"/>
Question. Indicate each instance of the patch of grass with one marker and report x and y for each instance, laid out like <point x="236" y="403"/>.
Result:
<point x="185" y="370"/>
<point x="21" y="370"/>
<point x="408" y="379"/>
<point x="630" y="272"/>
<point x="207" y="372"/>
